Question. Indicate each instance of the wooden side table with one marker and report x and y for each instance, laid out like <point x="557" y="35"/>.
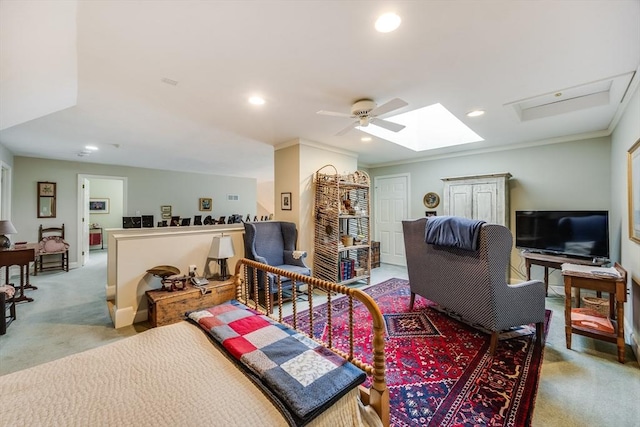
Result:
<point x="617" y="289"/>
<point x="20" y="256"/>
<point x="552" y="261"/>
<point x="167" y="307"/>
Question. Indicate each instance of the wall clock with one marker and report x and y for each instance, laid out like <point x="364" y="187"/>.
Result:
<point x="431" y="200"/>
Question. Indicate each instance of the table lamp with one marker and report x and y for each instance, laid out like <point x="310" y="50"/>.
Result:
<point x="221" y="249"/>
<point x="6" y="228"/>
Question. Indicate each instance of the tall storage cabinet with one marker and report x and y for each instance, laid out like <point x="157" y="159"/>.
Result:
<point x="483" y="197"/>
<point x="342" y="251"/>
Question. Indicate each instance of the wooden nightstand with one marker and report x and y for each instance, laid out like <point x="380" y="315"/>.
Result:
<point x="167" y="307"/>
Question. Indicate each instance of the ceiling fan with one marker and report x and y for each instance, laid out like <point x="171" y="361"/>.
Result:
<point x="366" y="112"/>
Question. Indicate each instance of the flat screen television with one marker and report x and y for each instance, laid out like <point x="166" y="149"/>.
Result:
<point x="570" y="233"/>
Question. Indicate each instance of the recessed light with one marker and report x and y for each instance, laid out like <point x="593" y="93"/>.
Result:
<point x="387" y="22"/>
<point x="91" y="147"/>
<point x="365" y="139"/>
<point x="475" y="113"/>
<point x="256" y="100"/>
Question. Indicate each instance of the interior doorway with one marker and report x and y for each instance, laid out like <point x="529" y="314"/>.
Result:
<point x="111" y="194"/>
<point x="391" y="207"/>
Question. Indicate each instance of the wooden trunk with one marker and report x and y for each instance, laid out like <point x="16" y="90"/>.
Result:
<point x="167" y="307"/>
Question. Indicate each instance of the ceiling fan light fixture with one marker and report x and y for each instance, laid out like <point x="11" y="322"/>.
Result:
<point x="256" y="100"/>
<point x="387" y="22"/>
<point x="475" y="113"/>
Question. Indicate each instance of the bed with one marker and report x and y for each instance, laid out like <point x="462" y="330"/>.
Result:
<point x="180" y="375"/>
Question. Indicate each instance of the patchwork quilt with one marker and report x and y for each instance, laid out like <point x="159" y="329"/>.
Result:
<point x="305" y="376"/>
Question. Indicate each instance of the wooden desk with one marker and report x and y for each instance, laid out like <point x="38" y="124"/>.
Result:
<point x="552" y="261"/>
<point x="617" y="289"/>
<point x="21" y="257"/>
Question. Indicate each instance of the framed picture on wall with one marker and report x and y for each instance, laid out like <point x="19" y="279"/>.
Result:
<point x="99" y="206"/>
<point x="206" y="204"/>
<point x="285" y="201"/>
<point x="633" y="174"/>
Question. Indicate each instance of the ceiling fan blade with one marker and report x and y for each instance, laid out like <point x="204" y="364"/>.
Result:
<point x="334" y="113"/>
<point x="348" y="128"/>
<point x="394" y="104"/>
<point x="394" y="127"/>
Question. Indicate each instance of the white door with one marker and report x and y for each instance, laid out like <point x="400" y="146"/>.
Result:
<point x="84" y="245"/>
<point x="391" y="207"/>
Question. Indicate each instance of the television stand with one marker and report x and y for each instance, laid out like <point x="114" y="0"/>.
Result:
<point x="554" y="261"/>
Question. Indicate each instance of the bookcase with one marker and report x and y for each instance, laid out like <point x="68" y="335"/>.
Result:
<point x="342" y="251"/>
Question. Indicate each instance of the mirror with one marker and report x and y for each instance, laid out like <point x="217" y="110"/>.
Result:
<point x="46" y="199"/>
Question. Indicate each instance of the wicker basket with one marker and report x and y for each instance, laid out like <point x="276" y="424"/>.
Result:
<point x="601" y="305"/>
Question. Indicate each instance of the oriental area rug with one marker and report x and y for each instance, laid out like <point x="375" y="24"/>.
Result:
<point x="438" y="369"/>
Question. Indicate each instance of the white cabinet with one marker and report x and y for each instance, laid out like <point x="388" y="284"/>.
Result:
<point x="483" y="197"/>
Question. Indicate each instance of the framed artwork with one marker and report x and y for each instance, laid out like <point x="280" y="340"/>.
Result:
<point x="633" y="174"/>
<point x="99" y="206"/>
<point x="430" y="213"/>
<point x="46" y="189"/>
<point x="46" y="199"/>
<point x="205" y="204"/>
<point x="431" y="200"/>
<point x="285" y="201"/>
<point x="166" y="212"/>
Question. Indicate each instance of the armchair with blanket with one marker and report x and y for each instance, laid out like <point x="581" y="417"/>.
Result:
<point x="472" y="282"/>
<point x="274" y="243"/>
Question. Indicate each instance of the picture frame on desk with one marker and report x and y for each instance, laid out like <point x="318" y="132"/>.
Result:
<point x="633" y="174"/>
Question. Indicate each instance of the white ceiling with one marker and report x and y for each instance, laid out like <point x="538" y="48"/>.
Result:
<point x="99" y="81"/>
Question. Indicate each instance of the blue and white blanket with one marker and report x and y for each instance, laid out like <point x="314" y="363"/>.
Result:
<point x="303" y="374"/>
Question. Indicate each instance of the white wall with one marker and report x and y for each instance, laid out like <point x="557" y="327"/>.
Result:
<point x="627" y="132"/>
<point x="114" y="191"/>
<point x="571" y="175"/>
<point x="296" y="163"/>
<point x="148" y="189"/>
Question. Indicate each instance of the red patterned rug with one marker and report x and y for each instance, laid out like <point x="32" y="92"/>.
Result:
<point x="439" y="371"/>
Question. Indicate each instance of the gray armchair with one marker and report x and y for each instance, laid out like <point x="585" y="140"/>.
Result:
<point x="473" y="283"/>
<point x="274" y="243"/>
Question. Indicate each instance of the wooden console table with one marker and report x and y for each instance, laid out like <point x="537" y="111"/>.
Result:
<point x="21" y="257"/>
<point x="617" y="289"/>
<point x="552" y="261"/>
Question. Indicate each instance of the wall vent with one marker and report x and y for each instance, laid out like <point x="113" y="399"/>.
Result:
<point x="595" y="94"/>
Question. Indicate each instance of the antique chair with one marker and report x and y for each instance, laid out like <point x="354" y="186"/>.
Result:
<point x="472" y="283"/>
<point x="273" y="243"/>
<point x="53" y="248"/>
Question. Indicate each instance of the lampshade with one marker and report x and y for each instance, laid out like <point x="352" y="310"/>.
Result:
<point x="221" y="247"/>
<point x="7" y="228"/>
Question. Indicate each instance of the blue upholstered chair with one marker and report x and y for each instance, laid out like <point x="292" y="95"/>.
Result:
<point x="472" y="283"/>
<point x="274" y="243"/>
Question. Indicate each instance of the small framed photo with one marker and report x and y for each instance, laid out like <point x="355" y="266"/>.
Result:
<point x="285" y="201"/>
<point x="166" y="212"/>
<point x="99" y="206"/>
<point x="205" y="204"/>
<point x="430" y="213"/>
<point x="46" y="189"/>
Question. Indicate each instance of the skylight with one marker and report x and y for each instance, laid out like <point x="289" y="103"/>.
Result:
<point x="426" y="128"/>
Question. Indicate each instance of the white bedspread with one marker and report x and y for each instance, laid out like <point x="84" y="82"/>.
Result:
<point x="167" y="376"/>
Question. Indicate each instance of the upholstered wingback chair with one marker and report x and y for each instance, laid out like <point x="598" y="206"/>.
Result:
<point x="472" y="283"/>
<point x="274" y="243"/>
